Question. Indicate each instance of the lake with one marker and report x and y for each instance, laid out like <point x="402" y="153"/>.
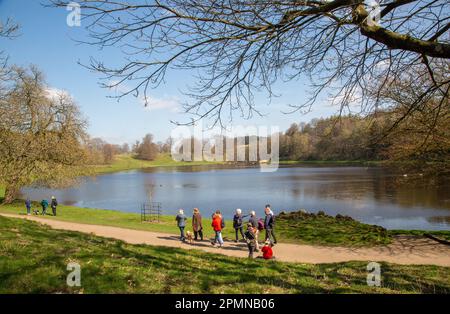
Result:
<point x="366" y="194"/>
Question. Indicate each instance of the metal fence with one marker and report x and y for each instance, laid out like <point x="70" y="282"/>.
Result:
<point x="151" y="211"/>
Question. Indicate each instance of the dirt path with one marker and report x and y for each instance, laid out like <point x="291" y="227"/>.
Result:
<point x="404" y="250"/>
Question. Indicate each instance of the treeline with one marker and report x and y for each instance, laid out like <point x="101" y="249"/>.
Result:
<point x="336" y="138"/>
<point x="420" y="143"/>
<point x="102" y="152"/>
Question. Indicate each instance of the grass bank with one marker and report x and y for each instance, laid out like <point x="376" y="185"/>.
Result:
<point x="33" y="259"/>
<point x="127" y="162"/>
<point x="332" y="162"/>
<point x="124" y="162"/>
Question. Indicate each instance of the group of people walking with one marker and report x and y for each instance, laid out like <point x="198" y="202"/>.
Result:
<point x="44" y="204"/>
<point x="249" y="232"/>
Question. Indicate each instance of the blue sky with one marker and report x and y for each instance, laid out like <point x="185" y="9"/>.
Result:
<point x="47" y="41"/>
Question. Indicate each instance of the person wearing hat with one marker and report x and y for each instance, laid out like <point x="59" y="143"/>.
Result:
<point x="53" y="205"/>
<point x="197" y="224"/>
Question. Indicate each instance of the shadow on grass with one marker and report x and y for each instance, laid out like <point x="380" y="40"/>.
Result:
<point x="33" y="259"/>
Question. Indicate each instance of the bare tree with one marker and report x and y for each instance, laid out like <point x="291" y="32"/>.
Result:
<point x="8" y="30"/>
<point x="238" y="47"/>
<point x="147" y="149"/>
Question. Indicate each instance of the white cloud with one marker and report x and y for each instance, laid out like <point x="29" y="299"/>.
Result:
<point x="170" y="103"/>
<point x="54" y="93"/>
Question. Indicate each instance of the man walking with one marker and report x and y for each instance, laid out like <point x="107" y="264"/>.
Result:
<point x="269" y="224"/>
<point x="53" y="205"/>
<point x="28" y="206"/>
<point x="44" y="204"/>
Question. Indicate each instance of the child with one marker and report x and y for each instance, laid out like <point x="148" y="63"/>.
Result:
<point x="267" y="250"/>
<point x="250" y="237"/>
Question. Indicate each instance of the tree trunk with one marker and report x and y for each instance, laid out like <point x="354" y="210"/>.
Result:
<point x="10" y="195"/>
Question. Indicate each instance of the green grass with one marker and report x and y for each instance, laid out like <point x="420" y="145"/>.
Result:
<point x="302" y="227"/>
<point x="33" y="259"/>
<point x="116" y="218"/>
<point x="127" y="162"/>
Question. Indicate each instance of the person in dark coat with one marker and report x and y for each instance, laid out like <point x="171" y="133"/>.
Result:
<point x="250" y="236"/>
<point x="237" y="224"/>
<point x="28" y="206"/>
<point x="44" y="204"/>
<point x="181" y="222"/>
<point x="53" y="205"/>
<point x="197" y="225"/>
<point x="254" y="221"/>
<point x="269" y="225"/>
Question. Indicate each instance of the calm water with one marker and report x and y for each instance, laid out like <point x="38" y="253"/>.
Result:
<point x="367" y="194"/>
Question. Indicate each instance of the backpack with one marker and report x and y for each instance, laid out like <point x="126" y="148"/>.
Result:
<point x="260" y="224"/>
<point x="223" y="223"/>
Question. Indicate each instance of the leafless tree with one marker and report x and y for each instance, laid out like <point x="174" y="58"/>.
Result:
<point x="8" y="29"/>
<point x="238" y="47"/>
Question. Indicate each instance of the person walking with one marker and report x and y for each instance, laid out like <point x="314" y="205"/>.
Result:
<point x="217" y="224"/>
<point x="181" y="222"/>
<point x="44" y="204"/>
<point x="269" y="224"/>
<point x="53" y="205"/>
<point x="197" y="224"/>
<point x="254" y="221"/>
<point x="28" y="206"/>
<point x="250" y="237"/>
<point x="237" y="224"/>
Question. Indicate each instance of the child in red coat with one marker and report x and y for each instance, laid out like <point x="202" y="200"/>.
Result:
<point x="267" y="250"/>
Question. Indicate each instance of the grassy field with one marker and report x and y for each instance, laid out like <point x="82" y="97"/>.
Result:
<point x="33" y="259"/>
<point x="127" y="162"/>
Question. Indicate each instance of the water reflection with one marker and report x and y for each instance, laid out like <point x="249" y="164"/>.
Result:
<point x="368" y="194"/>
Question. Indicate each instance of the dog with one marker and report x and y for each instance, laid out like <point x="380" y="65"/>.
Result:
<point x="189" y="237"/>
